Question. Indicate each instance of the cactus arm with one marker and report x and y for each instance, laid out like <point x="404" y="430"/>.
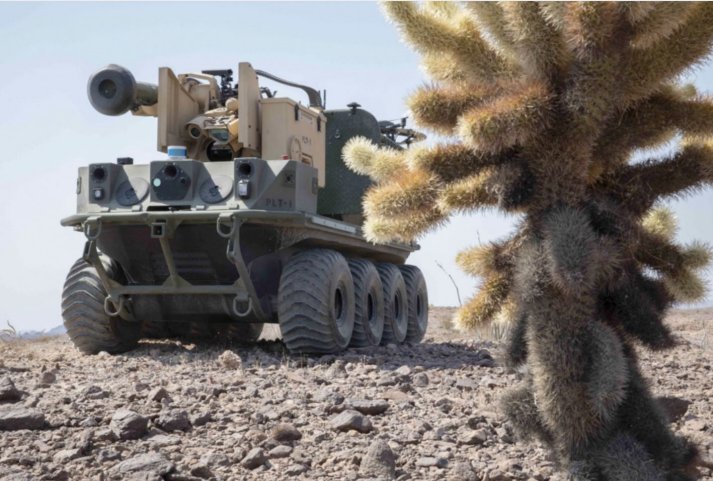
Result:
<point x="689" y="44"/>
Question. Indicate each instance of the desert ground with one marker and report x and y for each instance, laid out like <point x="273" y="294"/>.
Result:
<point x="173" y="410"/>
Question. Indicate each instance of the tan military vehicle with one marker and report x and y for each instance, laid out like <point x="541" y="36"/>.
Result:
<point x="252" y="218"/>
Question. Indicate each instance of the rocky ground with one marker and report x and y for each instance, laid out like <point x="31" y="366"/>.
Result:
<point x="177" y="411"/>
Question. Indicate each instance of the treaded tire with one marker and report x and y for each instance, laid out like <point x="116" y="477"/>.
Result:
<point x="368" y="304"/>
<point x="88" y="326"/>
<point x="417" y="302"/>
<point x="395" y="309"/>
<point x="315" y="304"/>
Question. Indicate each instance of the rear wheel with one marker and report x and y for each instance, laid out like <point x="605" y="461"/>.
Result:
<point x="417" y="302"/>
<point x="316" y="302"/>
<point x="368" y="304"/>
<point x="395" y="309"/>
<point x="88" y="326"/>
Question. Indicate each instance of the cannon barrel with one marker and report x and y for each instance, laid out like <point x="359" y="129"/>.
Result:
<point x="114" y="91"/>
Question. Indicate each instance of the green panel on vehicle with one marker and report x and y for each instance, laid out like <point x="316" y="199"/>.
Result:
<point x="344" y="189"/>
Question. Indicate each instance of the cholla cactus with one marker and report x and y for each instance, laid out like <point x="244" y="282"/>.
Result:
<point x="546" y="103"/>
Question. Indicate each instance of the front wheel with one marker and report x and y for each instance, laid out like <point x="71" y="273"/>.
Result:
<point x="88" y="326"/>
<point x="315" y="304"/>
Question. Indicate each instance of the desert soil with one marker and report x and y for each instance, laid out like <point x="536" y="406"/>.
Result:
<point x="176" y="411"/>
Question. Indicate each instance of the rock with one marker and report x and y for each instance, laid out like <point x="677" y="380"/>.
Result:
<point x="463" y="472"/>
<point x="163" y="440"/>
<point x="674" y="407"/>
<point x="179" y="477"/>
<point x="106" y="435"/>
<point x="369" y="407"/>
<point x="420" y="379"/>
<point x="379" y="461"/>
<point x="230" y="360"/>
<point x="15" y="418"/>
<point x="94" y="392"/>
<point x="428" y="462"/>
<point x="403" y="371"/>
<point x="157" y="395"/>
<point x="105" y="455"/>
<point x="504" y="435"/>
<point x="202" y="471"/>
<point x="215" y="459"/>
<point x="202" y="418"/>
<point x="295" y="469"/>
<point x="396" y="395"/>
<point x="386" y="380"/>
<point x="337" y="370"/>
<point x="254" y="459"/>
<point x="140" y="386"/>
<point x="85" y="442"/>
<point x="151" y="463"/>
<point x="66" y="455"/>
<point x="499" y="475"/>
<point x="696" y="424"/>
<point x="88" y="422"/>
<point x="127" y="424"/>
<point x="488" y="382"/>
<point x="466" y="384"/>
<point x="174" y="420"/>
<point x="8" y="391"/>
<point x="350" y="419"/>
<point x="282" y="451"/>
<point x="285" y="432"/>
<point x="474" y="438"/>
<point x="14" y="476"/>
<point x="487" y="362"/>
<point x="445" y="405"/>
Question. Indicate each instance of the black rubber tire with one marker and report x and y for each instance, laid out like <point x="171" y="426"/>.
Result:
<point x="395" y="309"/>
<point x="315" y="305"/>
<point x="368" y="304"/>
<point x="88" y="326"/>
<point x="417" y="302"/>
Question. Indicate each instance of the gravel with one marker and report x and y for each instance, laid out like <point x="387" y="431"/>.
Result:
<point x="178" y="411"/>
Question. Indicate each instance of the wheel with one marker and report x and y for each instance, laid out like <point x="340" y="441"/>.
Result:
<point x="315" y="304"/>
<point x="395" y="310"/>
<point x="88" y="326"/>
<point x="417" y="302"/>
<point x="368" y="304"/>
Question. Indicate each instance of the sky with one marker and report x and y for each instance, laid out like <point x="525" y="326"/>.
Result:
<point x="48" y="128"/>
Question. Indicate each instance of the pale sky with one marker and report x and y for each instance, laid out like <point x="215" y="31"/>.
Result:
<point x="48" y="129"/>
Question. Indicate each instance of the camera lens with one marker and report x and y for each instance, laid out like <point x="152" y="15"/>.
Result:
<point x="99" y="174"/>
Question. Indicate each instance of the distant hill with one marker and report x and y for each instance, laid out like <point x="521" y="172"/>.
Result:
<point x="55" y="331"/>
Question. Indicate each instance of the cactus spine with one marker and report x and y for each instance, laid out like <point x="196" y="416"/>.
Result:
<point x="546" y="103"/>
